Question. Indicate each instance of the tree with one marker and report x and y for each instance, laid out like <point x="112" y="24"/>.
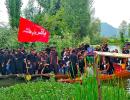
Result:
<point x="66" y="18"/>
<point x="95" y="29"/>
<point x="78" y="16"/>
<point x="122" y="31"/>
<point x="50" y="6"/>
<point x="14" y="10"/>
<point x="129" y="30"/>
<point x="29" y="10"/>
<point x="55" y="24"/>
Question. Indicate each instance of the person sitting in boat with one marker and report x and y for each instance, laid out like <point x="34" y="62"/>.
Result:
<point x="125" y="51"/>
<point x="105" y="48"/>
<point x="108" y="66"/>
<point x="115" y="59"/>
<point x="62" y="67"/>
<point x="43" y="67"/>
<point x="125" y="60"/>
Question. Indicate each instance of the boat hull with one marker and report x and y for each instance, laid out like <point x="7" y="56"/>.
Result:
<point x="122" y="75"/>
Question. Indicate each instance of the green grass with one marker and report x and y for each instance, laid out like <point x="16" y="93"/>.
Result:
<point x="51" y="90"/>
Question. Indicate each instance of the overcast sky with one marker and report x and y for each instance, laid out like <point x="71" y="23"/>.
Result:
<point x="110" y="11"/>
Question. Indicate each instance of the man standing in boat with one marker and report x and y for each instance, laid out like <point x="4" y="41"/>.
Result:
<point x="73" y="64"/>
<point x="54" y="60"/>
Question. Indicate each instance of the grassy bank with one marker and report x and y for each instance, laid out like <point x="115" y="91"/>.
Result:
<point x="52" y="90"/>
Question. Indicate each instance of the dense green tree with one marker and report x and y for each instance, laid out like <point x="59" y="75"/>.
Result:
<point x="129" y="30"/>
<point x="8" y="38"/>
<point x="30" y="11"/>
<point x="50" y="6"/>
<point x="95" y="29"/>
<point x="55" y="24"/>
<point x="78" y="16"/>
<point x="14" y="10"/>
<point x="122" y="31"/>
<point x="66" y="18"/>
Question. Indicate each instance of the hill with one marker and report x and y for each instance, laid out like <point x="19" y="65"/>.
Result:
<point x="108" y="30"/>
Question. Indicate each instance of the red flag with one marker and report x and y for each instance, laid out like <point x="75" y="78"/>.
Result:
<point x="31" y="32"/>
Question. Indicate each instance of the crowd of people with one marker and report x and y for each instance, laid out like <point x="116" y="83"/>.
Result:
<point x="21" y="62"/>
<point x="72" y="60"/>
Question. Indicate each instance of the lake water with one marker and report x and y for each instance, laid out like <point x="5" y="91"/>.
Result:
<point x="113" y="47"/>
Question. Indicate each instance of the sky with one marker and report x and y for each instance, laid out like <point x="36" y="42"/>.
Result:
<point x="110" y="11"/>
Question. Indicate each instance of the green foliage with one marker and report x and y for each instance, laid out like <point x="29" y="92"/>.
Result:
<point x="8" y="38"/>
<point x="78" y="17"/>
<point x="69" y="22"/>
<point x="95" y="30"/>
<point x="51" y="90"/>
<point x="122" y="31"/>
<point x="30" y="11"/>
<point x="14" y="7"/>
<point x="129" y="30"/>
<point x="114" y="41"/>
<point x="55" y="24"/>
<point x="50" y="6"/>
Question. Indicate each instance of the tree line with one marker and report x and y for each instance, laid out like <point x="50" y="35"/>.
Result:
<point x="70" y="22"/>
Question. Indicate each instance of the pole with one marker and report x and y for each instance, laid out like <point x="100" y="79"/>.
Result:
<point x="97" y="77"/>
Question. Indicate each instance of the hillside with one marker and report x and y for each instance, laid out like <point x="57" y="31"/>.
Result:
<point x="108" y="31"/>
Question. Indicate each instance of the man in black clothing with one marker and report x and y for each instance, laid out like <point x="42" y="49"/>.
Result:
<point x="73" y="64"/>
<point x="33" y="60"/>
<point x="125" y="51"/>
<point x="48" y="49"/>
<point x="19" y="62"/>
<point x="12" y="63"/>
<point x="2" y="59"/>
<point x="81" y="63"/>
<point x="62" y="53"/>
<point x="54" y="60"/>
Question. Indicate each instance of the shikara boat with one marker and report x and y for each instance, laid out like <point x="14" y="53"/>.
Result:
<point x="120" y="70"/>
<point x="122" y="75"/>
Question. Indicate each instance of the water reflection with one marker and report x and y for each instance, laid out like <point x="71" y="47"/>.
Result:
<point x="113" y="47"/>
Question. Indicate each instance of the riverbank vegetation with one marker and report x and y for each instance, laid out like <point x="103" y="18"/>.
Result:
<point x="62" y="91"/>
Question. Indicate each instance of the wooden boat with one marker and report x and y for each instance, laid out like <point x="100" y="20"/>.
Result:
<point x="120" y="72"/>
<point x="29" y="77"/>
<point x="122" y="75"/>
<point x="77" y="80"/>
